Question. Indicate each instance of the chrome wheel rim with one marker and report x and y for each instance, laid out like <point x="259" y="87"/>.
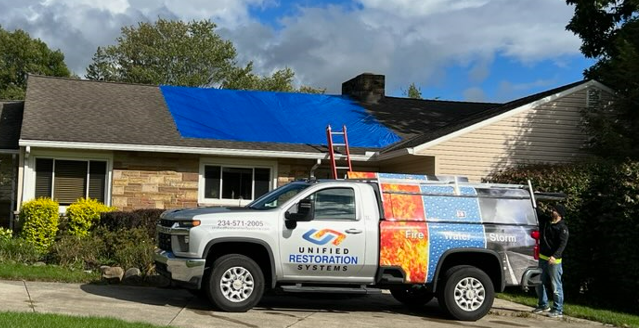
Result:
<point x="470" y="294"/>
<point x="237" y="284"/>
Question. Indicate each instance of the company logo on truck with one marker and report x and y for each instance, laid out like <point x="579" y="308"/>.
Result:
<point x="324" y="236"/>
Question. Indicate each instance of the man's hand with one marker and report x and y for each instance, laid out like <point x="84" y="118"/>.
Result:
<point x="552" y="260"/>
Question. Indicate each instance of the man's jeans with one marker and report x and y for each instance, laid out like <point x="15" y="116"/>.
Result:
<point x="551" y="280"/>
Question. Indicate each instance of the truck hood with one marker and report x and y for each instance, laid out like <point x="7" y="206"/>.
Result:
<point x="189" y="213"/>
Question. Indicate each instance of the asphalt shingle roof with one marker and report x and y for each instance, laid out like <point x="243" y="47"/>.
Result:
<point x="70" y="110"/>
<point x="10" y="123"/>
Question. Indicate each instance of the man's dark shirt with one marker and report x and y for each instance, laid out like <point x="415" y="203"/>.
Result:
<point x="554" y="237"/>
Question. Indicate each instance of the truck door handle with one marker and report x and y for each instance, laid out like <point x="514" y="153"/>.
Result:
<point x="353" y="231"/>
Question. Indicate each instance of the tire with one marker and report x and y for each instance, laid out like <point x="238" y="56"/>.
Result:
<point x="413" y="296"/>
<point x="467" y="293"/>
<point x="235" y="284"/>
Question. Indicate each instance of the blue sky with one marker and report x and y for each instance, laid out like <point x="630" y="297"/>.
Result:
<point x="473" y="50"/>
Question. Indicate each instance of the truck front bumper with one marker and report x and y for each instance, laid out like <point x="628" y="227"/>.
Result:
<point x="531" y="278"/>
<point x="183" y="271"/>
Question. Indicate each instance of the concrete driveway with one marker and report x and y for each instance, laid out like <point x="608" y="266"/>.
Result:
<point x="178" y="308"/>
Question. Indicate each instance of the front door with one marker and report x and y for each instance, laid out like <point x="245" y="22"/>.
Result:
<point x="331" y="246"/>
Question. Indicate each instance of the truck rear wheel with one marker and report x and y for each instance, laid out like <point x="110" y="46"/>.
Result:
<point x="236" y="283"/>
<point x="467" y="293"/>
<point x="411" y="295"/>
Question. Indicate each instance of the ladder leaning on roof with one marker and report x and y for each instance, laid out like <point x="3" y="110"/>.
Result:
<point x="331" y="150"/>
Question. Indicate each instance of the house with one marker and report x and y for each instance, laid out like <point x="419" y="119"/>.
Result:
<point x="140" y="146"/>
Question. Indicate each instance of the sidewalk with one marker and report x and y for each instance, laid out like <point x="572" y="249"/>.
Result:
<point x="175" y="307"/>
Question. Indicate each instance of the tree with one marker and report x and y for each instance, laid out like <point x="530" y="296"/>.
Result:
<point x="21" y="55"/>
<point x="609" y="30"/>
<point x="179" y="53"/>
<point x="413" y="92"/>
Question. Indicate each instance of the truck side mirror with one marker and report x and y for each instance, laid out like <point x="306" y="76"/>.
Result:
<point x="305" y="211"/>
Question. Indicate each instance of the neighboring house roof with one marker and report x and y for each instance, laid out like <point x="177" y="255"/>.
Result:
<point x="480" y="116"/>
<point x="10" y="123"/>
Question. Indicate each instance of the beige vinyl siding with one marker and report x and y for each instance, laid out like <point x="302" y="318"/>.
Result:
<point x="549" y="133"/>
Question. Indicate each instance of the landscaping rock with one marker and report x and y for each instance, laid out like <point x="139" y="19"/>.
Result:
<point x="39" y="264"/>
<point x="133" y="275"/>
<point x="112" y="274"/>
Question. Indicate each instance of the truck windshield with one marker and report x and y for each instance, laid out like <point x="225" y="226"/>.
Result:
<point x="279" y="196"/>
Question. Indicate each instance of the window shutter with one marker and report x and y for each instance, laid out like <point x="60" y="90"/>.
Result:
<point x="44" y="177"/>
<point x="70" y="181"/>
<point x="97" y="180"/>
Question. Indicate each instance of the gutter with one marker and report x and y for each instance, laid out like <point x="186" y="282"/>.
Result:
<point x="9" y="151"/>
<point x="185" y="150"/>
<point x="395" y="153"/>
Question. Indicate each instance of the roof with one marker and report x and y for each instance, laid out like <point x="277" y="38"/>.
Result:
<point x="474" y="118"/>
<point x="413" y="117"/>
<point x="10" y="123"/>
<point x="82" y="111"/>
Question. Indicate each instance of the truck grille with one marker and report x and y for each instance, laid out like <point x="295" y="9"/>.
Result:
<point x="164" y="241"/>
<point x="166" y="223"/>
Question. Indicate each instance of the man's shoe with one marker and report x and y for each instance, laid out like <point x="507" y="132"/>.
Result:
<point x="540" y="309"/>
<point x="555" y="314"/>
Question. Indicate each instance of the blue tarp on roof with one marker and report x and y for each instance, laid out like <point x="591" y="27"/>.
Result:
<point x="271" y="117"/>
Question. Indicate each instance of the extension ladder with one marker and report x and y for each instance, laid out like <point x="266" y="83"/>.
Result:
<point x="331" y="150"/>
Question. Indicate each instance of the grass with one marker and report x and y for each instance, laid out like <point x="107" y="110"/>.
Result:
<point x="19" y="271"/>
<point x="615" y="318"/>
<point x="37" y="320"/>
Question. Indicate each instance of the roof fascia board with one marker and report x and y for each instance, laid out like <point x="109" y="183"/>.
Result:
<point x="9" y="151"/>
<point x="395" y="153"/>
<point x="183" y="150"/>
<point x="512" y="112"/>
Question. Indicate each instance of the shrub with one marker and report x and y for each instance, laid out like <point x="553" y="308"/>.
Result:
<point x="83" y="214"/>
<point x="18" y="250"/>
<point x="145" y="219"/>
<point x="78" y="252"/>
<point x="39" y="222"/>
<point x="128" y="247"/>
<point x="5" y="234"/>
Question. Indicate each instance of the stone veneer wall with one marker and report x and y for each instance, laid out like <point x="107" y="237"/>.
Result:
<point x="291" y="170"/>
<point x="154" y="180"/>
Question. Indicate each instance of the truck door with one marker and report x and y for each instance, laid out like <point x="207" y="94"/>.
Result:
<point x="332" y="245"/>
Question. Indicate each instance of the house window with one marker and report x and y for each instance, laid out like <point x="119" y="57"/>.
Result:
<point x="67" y="180"/>
<point x="227" y="182"/>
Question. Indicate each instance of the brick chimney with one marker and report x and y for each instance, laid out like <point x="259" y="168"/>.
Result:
<point x="366" y="88"/>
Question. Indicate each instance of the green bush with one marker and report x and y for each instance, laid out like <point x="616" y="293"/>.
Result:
<point x="18" y="250"/>
<point x="83" y="214"/>
<point x="78" y="252"/>
<point x="601" y="262"/>
<point x="146" y="219"/>
<point x="39" y="222"/>
<point x="5" y="234"/>
<point x="128" y="248"/>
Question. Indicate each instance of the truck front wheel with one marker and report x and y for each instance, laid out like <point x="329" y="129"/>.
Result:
<point x="467" y="293"/>
<point x="413" y="296"/>
<point x="236" y="283"/>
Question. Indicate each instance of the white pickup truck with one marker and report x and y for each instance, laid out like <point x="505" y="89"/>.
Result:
<point x="418" y="236"/>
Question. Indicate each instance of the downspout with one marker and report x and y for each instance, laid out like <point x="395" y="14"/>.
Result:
<point x="14" y="175"/>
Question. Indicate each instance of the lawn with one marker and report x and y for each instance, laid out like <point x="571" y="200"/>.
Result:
<point x="19" y="271"/>
<point x="38" y="320"/>
<point x="615" y="318"/>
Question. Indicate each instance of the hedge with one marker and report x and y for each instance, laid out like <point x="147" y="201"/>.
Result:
<point x="39" y="218"/>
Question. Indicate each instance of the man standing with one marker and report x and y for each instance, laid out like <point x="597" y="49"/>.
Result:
<point x="553" y="239"/>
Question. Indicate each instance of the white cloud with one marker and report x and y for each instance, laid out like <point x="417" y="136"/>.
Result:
<point x="408" y="41"/>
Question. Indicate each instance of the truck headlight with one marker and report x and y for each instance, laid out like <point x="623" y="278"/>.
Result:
<point x="189" y="223"/>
